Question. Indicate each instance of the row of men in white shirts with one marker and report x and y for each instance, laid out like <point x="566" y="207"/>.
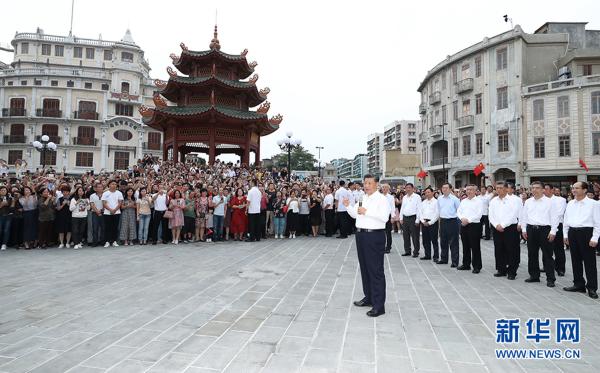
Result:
<point x="545" y="220"/>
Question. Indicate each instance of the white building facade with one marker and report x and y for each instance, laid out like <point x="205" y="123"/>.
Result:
<point x="84" y="94"/>
<point x="375" y="154"/>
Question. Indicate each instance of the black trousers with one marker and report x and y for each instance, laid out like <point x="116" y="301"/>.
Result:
<point x="558" y="247"/>
<point x="303" y="224"/>
<point x="343" y="222"/>
<point x="485" y="227"/>
<point x="507" y="250"/>
<point x="583" y="256"/>
<point x="111" y="228"/>
<point x="470" y="236"/>
<point x="78" y="229"/>
<point x="388" y="235"/>
<point x="254" y="226"/>
<point x="157" y="220"/>
<point x="263" y="223"/>
<point x="370" y="247"/>
<point x="410" y="231"/>
<point x="430" y="238"/>
<point x="97" y="228"/>
<point x="329" y="222"/>
<point x="449" y="239"/>
<point x="537" y="239"/>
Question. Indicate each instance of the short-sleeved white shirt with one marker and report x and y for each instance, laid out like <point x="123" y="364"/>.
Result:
<point x="112" y="199"/>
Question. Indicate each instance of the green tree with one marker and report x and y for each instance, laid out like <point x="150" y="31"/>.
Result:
<point x="301" y="159"/>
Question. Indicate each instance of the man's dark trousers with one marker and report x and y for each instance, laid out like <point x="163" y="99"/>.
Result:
<point x="507" y="250"/>
<point x="470" y="236"/>
<point x="370" y="247"/>
<point x="430" y="238"/>
<point x="537" y="239"/>
<point x="410" y="232"/>
<point x="449" y="239"/>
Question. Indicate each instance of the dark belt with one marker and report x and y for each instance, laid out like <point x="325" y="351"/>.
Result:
<point x="448" y="218"/>
<point x="409" y="216"/>
<point x="576" y="229"/>
<point x="362" y="230"/>
<point x="538" y="226"/>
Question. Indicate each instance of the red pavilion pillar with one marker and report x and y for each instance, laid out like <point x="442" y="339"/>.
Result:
<point x="212" y="147"/>
<point x="175" y="146"/>
<point x="257" y="153"/>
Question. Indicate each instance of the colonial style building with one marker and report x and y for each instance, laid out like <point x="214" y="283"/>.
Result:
<point x="84" y="94"/>
<point x="472" y="109"/>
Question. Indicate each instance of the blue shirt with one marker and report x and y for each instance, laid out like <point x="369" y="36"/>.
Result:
<point x="448" y="206"/>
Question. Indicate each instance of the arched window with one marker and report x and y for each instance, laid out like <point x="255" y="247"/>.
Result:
<point x="123" y="135"/>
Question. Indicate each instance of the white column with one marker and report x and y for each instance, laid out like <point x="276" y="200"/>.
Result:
<point x="33" y="99"/>
<point x="103" y="147"/>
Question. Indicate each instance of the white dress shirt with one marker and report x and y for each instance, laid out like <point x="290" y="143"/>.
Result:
<point x="559" y="204"/>
<point x="485" y="199"/>
<point x="539" y="212"/>
<point x="254" y="198"/>
<point x="340" y="195"/>
<point x="470" y="209"/>
<point x="377" y="212"/>
<point x="392" y="201"/>
<point x="410" y="206"/>
<point x="357" y="194"/>
<point x="328" y="201"/>
<point x="584" y="213"/>
<point x="504" y="211"/>
<point x="429" y="210"/>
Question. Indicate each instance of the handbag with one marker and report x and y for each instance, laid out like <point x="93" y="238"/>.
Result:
<point x="168" y="214"/>
<point x="284" y="209"/>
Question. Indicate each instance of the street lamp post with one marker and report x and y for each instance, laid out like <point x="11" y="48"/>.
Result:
<point x="443" y="125"/>
<point x="319" y="148"/>
<point x="288" y="144"/>
<point x="44" y="147"/>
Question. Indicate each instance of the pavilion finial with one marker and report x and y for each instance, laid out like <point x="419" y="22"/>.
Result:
<point x="214" y="43"/>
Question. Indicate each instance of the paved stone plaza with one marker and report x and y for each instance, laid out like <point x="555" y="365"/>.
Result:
<point x="274" y="306"/>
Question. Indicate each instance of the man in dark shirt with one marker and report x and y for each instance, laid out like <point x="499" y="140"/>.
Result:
<point x="271" y="198"/>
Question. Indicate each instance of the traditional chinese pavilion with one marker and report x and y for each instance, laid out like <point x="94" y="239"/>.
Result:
<point x="209" y="106"/>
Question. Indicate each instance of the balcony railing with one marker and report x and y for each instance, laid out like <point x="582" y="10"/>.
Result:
<point x="14" y="112"/>
<point x="48" y="113"/>
<point x="439" y="161"/>
<point x="89" y="141"/>
<point x="151" y="146"/>
<point x="465" y="121"/>
<point x="464" y="85"/>
<point x="435" y="98"/>
<point x="89" y="115"/>
<point x="14" y="139"/>
<point x="422" y="108"/>
<point x="54" y="139"/>
<point x="435" y="131"/>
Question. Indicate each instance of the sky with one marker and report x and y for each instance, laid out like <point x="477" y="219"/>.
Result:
<point x="337" y="70"/>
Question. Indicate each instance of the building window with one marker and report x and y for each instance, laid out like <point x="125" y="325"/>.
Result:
<point x="46" y="49"/>
<point x="89" y="53"/>
<point x="444" y="83"/>
<point x="70" y="83"/>
<point x="477" y="66"/>
<point x="538" y="110"/>
<point x="126" y="57"/>
<point x="596" y="143"/>
<point x="88" y="85"/>
<point x="587" y="69"/>
<point x="17" y="129"/>
<point x="466" y="105"/>
<point x="105" y="86"/>
<point x="54" y="83"/>
<point x="78" y="52"/>
<point x="84" y="159"/>
<point x="502" y="94"/>
<point x="51" y="107"/>
<point x="48" y="158"/>
<point x="154" y="140"/>
<point x="503" y="141"/>
<point x="455" y="147"/>
<point x="479" y="143"/>
<point x="455" y="110"/>
<point x="124" y="109"/>
<point x="52" y="131"/>
<point x="465" y="71"/>
<point x="444" y="114"/>
<point x="454" y="74"/>
<point x="595" y="102"/>
<point x="539" y="147"/>
<point x="24" y="48"/>
<point x="501" y="58"/>
<point x="124" y="87"/>
<point x="13" y="155"/>
<point x="59" y="50"/>
<point x="23" y="82"/>
<point x="564" y="146"/>
<point x="121" y="160"/>
<point x="107" y="55"/>
<point x="478" y="104"/>
<point x="123" y="135"/>
<point x="562" y="104"/>
<point x="466" y="142"/>
<point x="37" y="82"/>
<point x="87" y="110"/>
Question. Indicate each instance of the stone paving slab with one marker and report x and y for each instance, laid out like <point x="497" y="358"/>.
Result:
<point x="274" y="306"/>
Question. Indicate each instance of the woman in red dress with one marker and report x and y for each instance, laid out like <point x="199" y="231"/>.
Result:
<point x="239" y="219"/>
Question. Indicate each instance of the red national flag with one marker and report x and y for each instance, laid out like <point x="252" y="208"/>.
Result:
<point x="582" y="164"/>
<point x="477" y="170"/>
<point x="421" y="174"/>
<point x="481" y="166"/>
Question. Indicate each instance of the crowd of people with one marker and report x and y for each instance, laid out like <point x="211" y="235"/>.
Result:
<point x="161" y="202"/>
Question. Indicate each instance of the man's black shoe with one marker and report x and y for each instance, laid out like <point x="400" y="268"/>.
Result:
<point x="388" y="251"/>
<point x="592" y="294"/>
<point x="476" y="270"/>
<point x="512" y="277"/>
<point x="436" y="261"/>
<point x="362" y="303"/>
<point x="560" y="273"/>
<point x="574" y="289"/>
<point x="531" y="279"/>
<point x="247" y="240"/>
<point x="453" y="265"/>
<point x="550" y="284"/>
<point x="499" y="274"/>
<point x="375" y="313"/>
<point x="425" y="258"/>
<point x="406" y="254"/>
<point x="464" y="268"/>
<point x="342" y="237"/>
<point x="441" y="262"/>
<point x="415" y="255"/>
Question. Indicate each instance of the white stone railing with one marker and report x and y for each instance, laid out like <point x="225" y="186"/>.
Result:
<point x="560" y="84"/>
<point x="43" y="71"/>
